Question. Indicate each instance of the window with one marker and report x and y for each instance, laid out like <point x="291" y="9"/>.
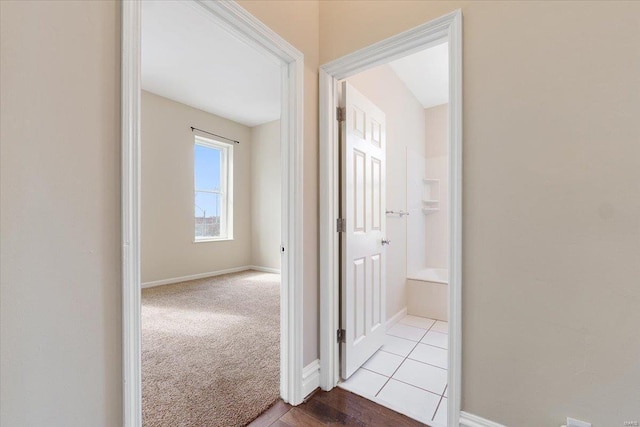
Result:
<point x="213" y="195"/>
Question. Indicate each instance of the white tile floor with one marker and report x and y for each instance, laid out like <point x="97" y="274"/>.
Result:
<point x="409" y="373"/>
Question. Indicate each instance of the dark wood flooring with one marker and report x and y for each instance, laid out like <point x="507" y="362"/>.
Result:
<point x="337" y="407"/>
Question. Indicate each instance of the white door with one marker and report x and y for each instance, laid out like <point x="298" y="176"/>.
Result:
<point x="363" y="286"/>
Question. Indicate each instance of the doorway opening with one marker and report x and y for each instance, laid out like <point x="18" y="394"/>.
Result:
<point x="404" y="106"/>
<point x="211" y="219"/>
<point x="391" y="129"/>
<point x="212" y="211"/>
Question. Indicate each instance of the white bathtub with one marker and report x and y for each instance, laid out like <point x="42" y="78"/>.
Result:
<point x="435" y="275"/>
<point x="428" y="293"/>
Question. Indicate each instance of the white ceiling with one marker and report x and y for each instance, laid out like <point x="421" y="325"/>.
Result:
<point x="426" y="74"/>
<point x="186" y="57"/>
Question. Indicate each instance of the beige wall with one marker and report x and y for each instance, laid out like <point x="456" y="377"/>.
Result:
<point x="298" y="23"/>
<point x="60" y="312"/>
<point x="168" y="249"/>
<point x="265" y="195"/>
<point x="551" y="200"/>
<point x="437" y="167"/>
<point x="405" y="130"/>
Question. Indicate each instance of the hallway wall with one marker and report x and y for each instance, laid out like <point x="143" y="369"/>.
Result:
<point x="551" y="199"/>
<point x="60" y="251"/>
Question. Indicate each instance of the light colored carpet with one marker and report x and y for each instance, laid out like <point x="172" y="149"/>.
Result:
<point x="210" y="350"/>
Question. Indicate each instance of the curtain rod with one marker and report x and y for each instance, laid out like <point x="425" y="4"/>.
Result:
<point x="219" y="136"/>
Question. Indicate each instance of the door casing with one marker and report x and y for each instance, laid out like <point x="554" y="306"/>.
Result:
<point x="446" y="28"/>
<point x="232" y="17"/>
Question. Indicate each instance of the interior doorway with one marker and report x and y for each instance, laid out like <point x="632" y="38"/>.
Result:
<point x="217" y="220"/>
<point x="211" y="222"/>
<point x="395" y="162"/>
<point x="382" y="352"/>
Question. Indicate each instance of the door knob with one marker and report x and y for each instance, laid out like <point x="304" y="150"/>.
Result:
<point x="386" y="242"/>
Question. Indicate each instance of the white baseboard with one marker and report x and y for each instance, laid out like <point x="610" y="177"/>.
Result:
<point x="194" y="277"/>
<point x="470" y="420"/>
<point x="265" y="269"/>
<point x="310" y="377"/>
<point x="396" y="318"/>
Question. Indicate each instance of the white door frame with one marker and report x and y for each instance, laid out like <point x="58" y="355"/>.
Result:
<point x="241" y="24"/>
<point x="449" y="28"/>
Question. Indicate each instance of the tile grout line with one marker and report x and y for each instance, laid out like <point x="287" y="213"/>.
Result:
<point x="433" y="345"/>
<point x="415" y="360"/>
<point x="415" y="345"/>
<point x="404" y="382"/>
<point x="428" y="364"/>
<point x="441" y="397"/>
<point x="394" y="372"/>
<point x="438" y="405"/>
<point x="405" y="358"/>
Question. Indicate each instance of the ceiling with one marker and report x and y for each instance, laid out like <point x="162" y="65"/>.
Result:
<point x="186" y="57"/>
<point x="426" y="74"/>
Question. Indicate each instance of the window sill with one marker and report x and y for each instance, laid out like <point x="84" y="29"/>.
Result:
<point x="213" y="239"/>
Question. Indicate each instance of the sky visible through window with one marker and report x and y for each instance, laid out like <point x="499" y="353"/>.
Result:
<point x="207" y="177"/>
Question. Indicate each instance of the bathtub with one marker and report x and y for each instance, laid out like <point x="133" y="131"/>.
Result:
<point x="435" y="275"/>
<point x="428" y="293"/>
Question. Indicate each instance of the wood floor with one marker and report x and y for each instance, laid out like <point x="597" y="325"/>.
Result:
<point x="337" y="407"/>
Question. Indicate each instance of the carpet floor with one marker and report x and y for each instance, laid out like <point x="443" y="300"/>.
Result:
<point x="210" y="350"/>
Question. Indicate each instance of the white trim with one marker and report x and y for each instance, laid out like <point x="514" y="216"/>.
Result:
<point x="240" y="23"/>
<point x="447" y="27"/>
<point x="214" y="239"/>
<point x="454" y="390"/>
<point x="329" y="264"/>
<point x="395" y="318"/>
<point x="130" y="188"/>
<point x="470" y="420"/>
<point x="416" y="39"/>
<point x="265" y="269"/>
<point x="181" y="279"/>
<point x="310" y="377"/>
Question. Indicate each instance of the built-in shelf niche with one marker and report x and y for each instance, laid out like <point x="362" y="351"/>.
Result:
<point x="430" y="196"/>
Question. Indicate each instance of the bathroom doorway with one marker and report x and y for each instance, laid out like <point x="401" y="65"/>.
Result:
<point x="394" y="134"/>
<point x="400" y="359"/>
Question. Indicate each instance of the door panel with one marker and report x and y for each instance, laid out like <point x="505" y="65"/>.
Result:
<point x="359" y="191"/>
<point x="363" y="290"/>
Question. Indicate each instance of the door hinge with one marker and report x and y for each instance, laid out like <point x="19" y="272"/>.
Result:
<point x="341" y="336"/>
<point x="341" y="225"/>
<point x="340" y="114"/>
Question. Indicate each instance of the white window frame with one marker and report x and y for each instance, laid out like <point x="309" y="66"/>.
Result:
<point x="226" y="189"/>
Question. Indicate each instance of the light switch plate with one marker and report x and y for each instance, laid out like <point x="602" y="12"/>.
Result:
<point x="571" y="422"/>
